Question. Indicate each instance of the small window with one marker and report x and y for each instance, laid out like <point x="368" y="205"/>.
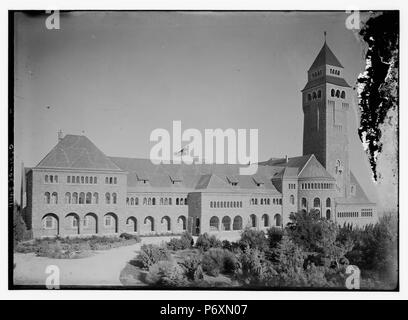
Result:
<point x="332" y="92"/>
<point x="49" y="222"/>
<point x="69" y="179"/>
<point x="108" y="221"/>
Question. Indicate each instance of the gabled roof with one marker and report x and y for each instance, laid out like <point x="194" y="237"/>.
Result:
<point x="326" y="56"/>
<point x="360" y="196"/>
<point x="306" y="166"/>
<point x="77" y="152"/>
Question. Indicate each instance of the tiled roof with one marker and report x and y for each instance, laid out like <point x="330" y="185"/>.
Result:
<point x="326" y="56"/>
<point x="194" y="176"/>
<point x="326" y="79"/>
<point x="77" y="152"/>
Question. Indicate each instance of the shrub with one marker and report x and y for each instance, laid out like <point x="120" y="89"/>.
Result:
<point x="166" y="273"/>
<point x="251" y="265"/>
<point x="274" y="236"/>
<point x="191" y="264"/>
<point x="129" y="236"/>
<point x="150" y="254"/>
<point x="253" y="239"/>
<point x="185" y="242"/>
<point x="218" y="260"/>
<point x="205" y="242"/>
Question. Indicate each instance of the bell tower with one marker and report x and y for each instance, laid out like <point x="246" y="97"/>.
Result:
<point x="325" y="102"/>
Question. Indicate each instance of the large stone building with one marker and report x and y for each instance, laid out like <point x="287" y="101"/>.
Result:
<point x="78" y="190"/>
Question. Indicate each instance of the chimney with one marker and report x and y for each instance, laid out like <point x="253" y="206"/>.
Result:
<point x="60" y="135"/>
<point x="286" y="159"/>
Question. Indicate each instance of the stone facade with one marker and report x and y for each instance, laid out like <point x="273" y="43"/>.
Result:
<point x="77" y="190"/>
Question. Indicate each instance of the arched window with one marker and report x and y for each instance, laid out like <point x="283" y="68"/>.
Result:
<point x="47" y="197"/>
<point x="51" y="179"/>
<point x="149" y="221"/>
<point x="328" y="214"/>
<point x="177" y="201"/>
<point x="252" y="217"/>
<point x="77" y="179"/>
<point x="67" y="197"/>
<point x="82" y="198"/>
<point x="106" y="180"/>
<point x="127" y="200"/>
<point x="153" y="201"/>
<point x="132" y="201"/>
<point x="316" y="202"/>
<point x="88" y="199"/>
<point x="278" y="220"/>
<point x="337" y="93"/>
<point x="166" y="221"/>
<point x="237" y="223"/>
<point x="183" y="221"/>
<point x="309" y="97"/>
<point x="110" y="180"/>
<point x="86" y="180"/>
<point x="262" y="201"/>
<point x="82" y="179"/>
<point x="328" y="202"/>
<point x="46" y="178"/>
<point x="56" y="179"/>
<point x="181" y="201"/>
<point x="114" y="198"/>
<point x="95" y="180"/>
<point x="314" y="95"/>
<point x="332" y="92"/>
<point x="226" y="223"/>
<point x="211" y="204"/>
<point x="319" y="93"/>
<point x="265" y="219"/>
<point x="304" y="203"/>
<point x="115" y="180"/>
<point x="292" y="199"/>
<point x="95" y="198"/>
<point x="149" y="201"/>
<point x="185" y="201"/>
<point x="54" y="198"/>
<point x="166" y="201"/>
<point x="136" y="201"/>
<point x="144" y="201"/>
<point x="91" y="180"/>
<point x="75" y="198"/>
<point x="343" y="95"/>
<point x="170" y="201"/>
<point x="214" y="223"/>
<point x="107" y="198"/>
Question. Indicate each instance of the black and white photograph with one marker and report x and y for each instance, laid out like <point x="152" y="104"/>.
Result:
<point x="240" y="150"/>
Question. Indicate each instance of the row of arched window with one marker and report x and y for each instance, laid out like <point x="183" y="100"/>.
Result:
<point x="79" y="198"/>
<point x="237" y="222"/>
<point x="366" y="212"/>
<point x="347" y="214"/>
<point x="338" y="94"/>
<point x="314" y="95"/>
<point x="51" y="178"/>
<point x="317" y="73"/>
<point x="317" y="186"/>
<point x="265" y="201"/>
<point x="334" y="71"/>
<point x="134" y="201"/>
<point x="316" y="203"/>
<point x="111" y="180"/>
<point x="82" y="179"/>
<point x="225" y="204"/>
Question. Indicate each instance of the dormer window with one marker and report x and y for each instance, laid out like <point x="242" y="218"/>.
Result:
<point x="258" y="182"/>
<point x="232" y="180"/>
<point x="142" y="179"/>
<point x="176" y="180"/>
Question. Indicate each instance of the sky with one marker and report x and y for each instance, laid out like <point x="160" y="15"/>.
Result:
<point x="117" y="76"/>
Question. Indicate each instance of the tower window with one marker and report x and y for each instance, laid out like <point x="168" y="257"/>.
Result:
<point x="332" y="93"/>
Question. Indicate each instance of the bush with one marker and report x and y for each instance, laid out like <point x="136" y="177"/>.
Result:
<point x="253" y="239"/>
<point x="129" y="236"/>
<point x="166" y="273"/>
<point x="274" y="236"/>
<point x="185" y="242"/>
<point x="251" y="267"/>
<point x="218" y="260"/>
<point x="191" y="264"/>
<point x="150" y="254"/>
<point x="205" y="242"/>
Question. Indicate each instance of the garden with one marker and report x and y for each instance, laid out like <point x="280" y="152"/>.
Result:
<point x="310" y="252"/>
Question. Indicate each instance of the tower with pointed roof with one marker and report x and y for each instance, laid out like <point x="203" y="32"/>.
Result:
<point x="326" y="101"/>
